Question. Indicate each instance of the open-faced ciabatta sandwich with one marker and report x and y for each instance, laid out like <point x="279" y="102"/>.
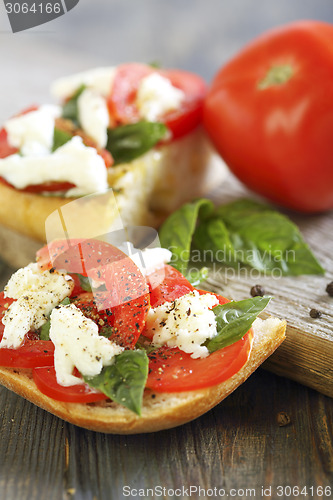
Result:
<point x="133" y="128"/>
<point x="125" y="344"/>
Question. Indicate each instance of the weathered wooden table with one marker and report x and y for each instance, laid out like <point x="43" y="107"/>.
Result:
<point x="273" y="437"/>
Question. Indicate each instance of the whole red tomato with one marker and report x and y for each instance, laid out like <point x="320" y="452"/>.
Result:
<point x="269" y="113"/>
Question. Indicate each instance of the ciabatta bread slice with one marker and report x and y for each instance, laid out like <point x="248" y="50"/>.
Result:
<point x="146" y="190"/>
<point x="159" y="410"/>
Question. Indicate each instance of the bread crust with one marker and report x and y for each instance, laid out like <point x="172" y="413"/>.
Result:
<point x="160" y="410"/>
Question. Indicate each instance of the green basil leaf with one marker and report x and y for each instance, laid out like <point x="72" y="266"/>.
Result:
<point x="212" y="240"/>
<point x="125" y="380"/>
<point x="145" y="344"/>
<point x="267" y="240"/>
<point x="70" y="107"/>
<point x="177" y="231"/>
<point x="128" y="142"/>
<point x="234" y="319"/>
<point x="84" y="282"/>
<point x="60" y="137"/>
<point x="106" y="331"/>
<point x="233" y="213"/>
<point x="44" y="331"/>
<point x="243" y="231"/>
<point x="155" y="64"/>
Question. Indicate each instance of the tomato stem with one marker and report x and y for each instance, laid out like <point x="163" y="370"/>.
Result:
<point x="276" y="75"/>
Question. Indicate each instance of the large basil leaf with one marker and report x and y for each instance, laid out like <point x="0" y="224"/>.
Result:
<point x="211" y="240"/>
<point x="128" y="142"/>
<point x="177" y="231"/>
<point x="125" y="380"/>
<point x="234" y="319"/>
<point x="267" y="240"/>
<point x="243" y="231"/>
<point x="70" y="108"/>
<point x="60" y="137"/>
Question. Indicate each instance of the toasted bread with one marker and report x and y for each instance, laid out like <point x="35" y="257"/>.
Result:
<point x="159" y="410"/>
<point x="146" y="191"/>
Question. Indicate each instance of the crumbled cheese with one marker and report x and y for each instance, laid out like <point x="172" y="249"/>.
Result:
<point x="156" y="96"/>
<point x="36" y="294"/>
<point x="73" y="162"/>
<point x="148" y="260"/>
<point x="78" y="344"/>
<point x="94" y="116"/>
<point x="32" y="133"/>
<point x="185" y="323"/>
<point x="97" y="79"/>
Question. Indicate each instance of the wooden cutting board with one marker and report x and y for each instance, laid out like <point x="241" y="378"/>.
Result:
<point x="307" y="353"/>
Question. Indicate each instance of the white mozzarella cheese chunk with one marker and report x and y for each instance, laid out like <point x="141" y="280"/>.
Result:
<point x="185" y="323"/>
<point x="97" y="79"/>
<point x="73" y="162"/>
<point x="32" y="133"/>
<point x="156" y="96"/>
<point x="94" y="116"/>
<point x="36" y="294"/>
<point x="78" y="344"/>
<point x="148" y="260"/>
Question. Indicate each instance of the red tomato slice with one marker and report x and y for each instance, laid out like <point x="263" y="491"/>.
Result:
<point x="172" y="370"/>
<point x="190" y="115"/>
<point x="173" y="286"/>
<point x="121" y="101"/>
<point x="127" y="294"/>
<point x="122" y="105"/>
<point x="78" y="255"/>
<point x="30" y="354"/>
<point x="49" y="187"/>
<point x="87" y="304"/>
<point x="5" y="148"/>
<point x="46" y="381"/>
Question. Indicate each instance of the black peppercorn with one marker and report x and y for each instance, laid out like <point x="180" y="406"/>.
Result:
<point x="257" y="290"/>
<point x="314" y="313"/>
<point x="329" y="289"/>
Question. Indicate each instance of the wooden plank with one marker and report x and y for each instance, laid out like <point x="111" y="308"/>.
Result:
<point x="240" y="444"/>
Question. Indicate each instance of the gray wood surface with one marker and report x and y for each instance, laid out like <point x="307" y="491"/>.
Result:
<point x="241" y="444"/>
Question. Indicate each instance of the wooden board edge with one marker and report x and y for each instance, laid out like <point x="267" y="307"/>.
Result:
<point x="306" y="359"/>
